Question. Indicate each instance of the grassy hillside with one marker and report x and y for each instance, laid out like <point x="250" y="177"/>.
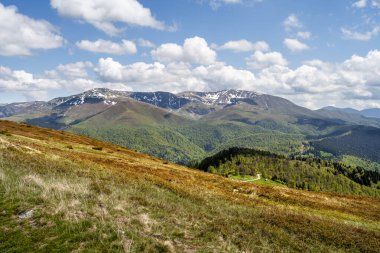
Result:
<point x="64" y="193"/>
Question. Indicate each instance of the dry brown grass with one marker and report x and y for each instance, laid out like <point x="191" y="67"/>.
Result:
<point x="230" y="211"/>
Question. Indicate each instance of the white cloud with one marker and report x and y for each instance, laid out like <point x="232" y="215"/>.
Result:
<point x="220" y="76"/>
<point x="169" y="52"/>
<point x="109" y="47"/>
<point x="174" y="77"/>
<point x="304" y="35"/>
<point x="260" y="60"/>
<point x="295" y="45"/>
<point x="146" y="43"/>
<point x="376" y="3"/>
<point x="361" y="36"/>
<point x="292" y="21"/>
<point x="360" y="4"/>
<point x="194" y="50"/>
<point x="231" y="1"/>
<point x="24" y="83"/>
<point x="244" y="46"/>
<point x="354" y="82"/>
<point x="215" y="4"/>
<point x="69" y="78"/>
<point x="366" y="3"/>
<point x="105" y="14"/>
<point x="70" y="71"/>
<point x="21" y="35"/>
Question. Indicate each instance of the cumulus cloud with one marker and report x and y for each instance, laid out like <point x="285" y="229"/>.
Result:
<point x="304" y="35"/>
<point x="364" y="3"/>
<point x="68" y="78"/>
<point x="244" y="46"/>
<point x="295" y="45"/>
<point x="261" y="60"/>
<point x="292" y="21"/>
<point x="21" y="35"/>
<point x="354" y="82"/>
<point x="146" y="43"/>
<point x="360" y="4"/>
<point x="220" y="76"/>
<point x="376" y="3"/>
<point x="361" y="36"/>
<point x="71" y="70"/>
<point x="215" y="4"/>
<point x="25" y="83"/>
<point x="194" y="50"/>
<point x="109" y="47"/>
<point x="105" y="14"/>
<point x="174" y="77"/>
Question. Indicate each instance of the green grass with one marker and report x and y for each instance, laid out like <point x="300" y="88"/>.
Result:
<point x="264" y="181"/>
<point x="253" y="180"/>
<point x="117" y="200"/>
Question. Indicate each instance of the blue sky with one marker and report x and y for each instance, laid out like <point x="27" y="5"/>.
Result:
<point x="315" y="53"/>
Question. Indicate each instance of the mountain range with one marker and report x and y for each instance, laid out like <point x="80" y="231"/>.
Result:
<point x="190" y="125"/>
<point x="370" y="113"/>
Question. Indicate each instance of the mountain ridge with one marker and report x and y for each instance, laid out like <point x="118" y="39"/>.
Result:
<point x="204" y="121"/>
<point x="369" y="112"/>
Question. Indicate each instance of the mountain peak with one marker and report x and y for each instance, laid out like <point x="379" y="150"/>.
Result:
<point x="96" y="95"/>
<point x="222" y="97"/>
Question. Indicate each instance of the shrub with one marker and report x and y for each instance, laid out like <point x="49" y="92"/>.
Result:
<point x="5" y="132"/>
<point x="97" y="148"/>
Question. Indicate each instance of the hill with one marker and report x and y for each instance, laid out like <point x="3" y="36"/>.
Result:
<point x="301" y="173"/>
<point x="356" y="141"/>
<point x="63" y="192"/>
<point x="192" y="125"/>
<point x="369" y="113"/>
<point x="373" y="112"/>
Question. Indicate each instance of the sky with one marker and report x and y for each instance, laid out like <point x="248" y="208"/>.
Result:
<point x="314" y="53"/>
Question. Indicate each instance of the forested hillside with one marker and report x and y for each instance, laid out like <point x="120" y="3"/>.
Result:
<point x="300" y="173"/>
<point x="357" y="141"/>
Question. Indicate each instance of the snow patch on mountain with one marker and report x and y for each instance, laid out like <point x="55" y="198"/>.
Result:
<point x="224" y="97"/>
<point x="93" y="96"/>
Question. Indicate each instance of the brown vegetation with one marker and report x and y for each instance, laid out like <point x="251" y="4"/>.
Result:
<point x="176" y="208"/>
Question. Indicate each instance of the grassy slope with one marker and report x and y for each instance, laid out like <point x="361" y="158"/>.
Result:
<point x="115" y="200"/>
